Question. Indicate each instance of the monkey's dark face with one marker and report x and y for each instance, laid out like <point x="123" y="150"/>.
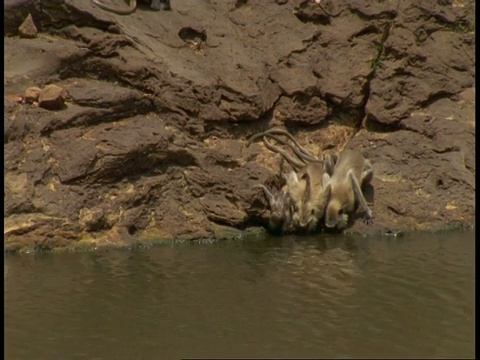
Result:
<point x="278" y="210"/>
<point x="160" y="5"/>
<point x="276" y="221"/>
<point x="276" y="217"/>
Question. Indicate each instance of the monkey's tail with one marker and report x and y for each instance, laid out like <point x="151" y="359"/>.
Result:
<point x="296" y="164"/>
<point x="303" y="154"/>
<point x="308" y="155"/>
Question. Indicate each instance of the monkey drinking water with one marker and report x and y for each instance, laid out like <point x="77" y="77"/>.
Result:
<point x="279" y="201"/>
<point x="308" y="185"/>
<point x="350" y="172"/>
<point x="311" y="208"/>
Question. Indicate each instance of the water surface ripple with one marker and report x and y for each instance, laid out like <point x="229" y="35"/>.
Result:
<point x="353" y="297"/>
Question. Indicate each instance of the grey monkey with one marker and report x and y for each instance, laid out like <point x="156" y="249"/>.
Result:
<point x="311" y="208"/>
<point x="308" y="186"/>
<point x="280" y="221"/>
<point x="350" y="172"/>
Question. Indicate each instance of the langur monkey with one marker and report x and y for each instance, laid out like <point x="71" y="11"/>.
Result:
<point x="301" y="202"/>
<point x="311" y="208"/>
<point x="350" y="172"/>
<point x="308" y="186"/>
<point x="280" y="220"/>
<point x="282" y="203"/>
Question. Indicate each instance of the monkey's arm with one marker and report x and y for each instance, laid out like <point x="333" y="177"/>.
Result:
<point x="324" y="194"/>
<point x="287" y="225"/>
<point x="368" y="218"/>
<point x="132" y="5"/>
<point x="326" y="180"/>
<point x="268" y="194"/>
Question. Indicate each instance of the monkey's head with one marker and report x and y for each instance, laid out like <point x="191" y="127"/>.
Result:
<point x="295" y="186"/>
<point x="296" y="193"/>
<point x="334" y="213"/>
<point x="275" y="203"/>
<point x="277" y="210"/>
<point x="308" y="216"/>
<point x="313" y="204"/>
<point x="280" y="210"/>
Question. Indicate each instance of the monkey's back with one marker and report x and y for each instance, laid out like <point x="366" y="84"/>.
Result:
<point x="348" y="160"/>
<point x="315" y="172"/>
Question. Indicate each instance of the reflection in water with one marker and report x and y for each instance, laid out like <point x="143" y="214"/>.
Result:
<point x="289" y="297"/>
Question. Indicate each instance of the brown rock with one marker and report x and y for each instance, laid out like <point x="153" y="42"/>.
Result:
<point x="153" y="145"/>
<point x="32" y="94"/>
<point x="28" y="28"/>
<point x="303" y="109"/>
<point x="91" y="219"/>
<point x="14" y="97"/>
<point x="52" y="97"/>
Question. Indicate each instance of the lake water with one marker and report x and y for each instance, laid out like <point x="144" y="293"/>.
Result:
<point x="412" y="296"/>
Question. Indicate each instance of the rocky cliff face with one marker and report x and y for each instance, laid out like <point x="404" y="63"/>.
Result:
<point x="151" y="142"/>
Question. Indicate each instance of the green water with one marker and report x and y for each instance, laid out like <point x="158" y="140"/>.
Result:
<point x="412" y="296"/>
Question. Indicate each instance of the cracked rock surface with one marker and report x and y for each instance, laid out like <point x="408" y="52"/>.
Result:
<point x="151" y="142"/>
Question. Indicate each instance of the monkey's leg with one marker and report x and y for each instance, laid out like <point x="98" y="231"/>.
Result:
<point x="268" y="194"/>
<point x="291" y="178"/>
<point x="305" y="152"/>
<point x="367" y="173"/>
<point x="293" y="186"/>
<point x="329" y="164"/>
<point x="297" y="165"/>
<point x="327" y="187"/>
<point x="326" y="180"/>
<point x="287" y="225"/>
<point x="368" y="218"/>
<point x="132" y="5"/>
